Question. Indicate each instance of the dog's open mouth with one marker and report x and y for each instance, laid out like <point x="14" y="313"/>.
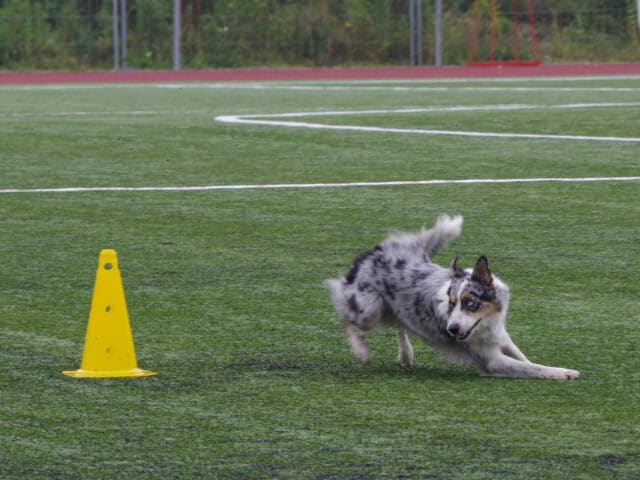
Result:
<point x="466" y="334"/>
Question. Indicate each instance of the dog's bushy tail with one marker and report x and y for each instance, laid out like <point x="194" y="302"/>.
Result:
<point x="436" y="238"/>
<point x="432" y="240"/>
<point x="336" y="289"/>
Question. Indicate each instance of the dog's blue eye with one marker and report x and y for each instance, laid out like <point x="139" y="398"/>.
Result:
<point x="471" y="304"/>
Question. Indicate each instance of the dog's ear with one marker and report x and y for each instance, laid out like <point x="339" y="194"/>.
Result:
<point x="481" y="272"/>
<point x="455" y="270"/>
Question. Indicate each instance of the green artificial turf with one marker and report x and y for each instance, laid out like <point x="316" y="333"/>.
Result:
<point x="225" y="296"/>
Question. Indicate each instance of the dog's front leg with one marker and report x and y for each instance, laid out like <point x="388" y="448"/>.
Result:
<point x="506" y="366"/>
<point x="510" y="349"/>
<point x="405" y="349"/>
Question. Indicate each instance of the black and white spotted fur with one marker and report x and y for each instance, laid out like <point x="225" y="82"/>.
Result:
<point x="460" y="313"/>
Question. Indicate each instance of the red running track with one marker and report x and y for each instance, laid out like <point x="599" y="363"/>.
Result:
<point x="256" y="74"/>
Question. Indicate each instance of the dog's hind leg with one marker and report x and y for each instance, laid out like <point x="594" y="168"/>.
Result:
<point x="356" y="342"/>
<point x="405" y="349"/>
<point x="364" y="311"/>
<point x="360" y="312"/>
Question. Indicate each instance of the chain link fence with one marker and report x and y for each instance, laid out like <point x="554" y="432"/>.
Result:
<point x="58" y="34"/>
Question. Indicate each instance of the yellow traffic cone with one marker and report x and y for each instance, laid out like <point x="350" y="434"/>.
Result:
<point x="108" y="346"/>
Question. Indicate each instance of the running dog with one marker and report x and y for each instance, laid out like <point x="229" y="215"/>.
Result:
<point x="460" y="313"/>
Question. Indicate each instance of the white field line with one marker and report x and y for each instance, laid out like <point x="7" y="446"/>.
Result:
<point x="255" y="119"/>
<point x="280" y="186"/>
<point x="105" y="113"/>
<point x="259" y="119"/>
<point x="447" y="108"/>
<point x="388" y="88"/>
<point x="356" y="84"/>
<point x="458" y="133"/>
<point x="237" y="118"/>
<point x="319" y="88"/>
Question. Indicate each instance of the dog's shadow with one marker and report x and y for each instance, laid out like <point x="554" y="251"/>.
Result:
<point x="347" y="371"/>
<point x="435" y="371"/>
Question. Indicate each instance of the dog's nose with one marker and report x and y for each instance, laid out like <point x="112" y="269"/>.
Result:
<point x="453" y="329"/>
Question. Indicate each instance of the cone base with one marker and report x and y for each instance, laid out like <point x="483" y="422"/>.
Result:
<point x="132" y="373"/>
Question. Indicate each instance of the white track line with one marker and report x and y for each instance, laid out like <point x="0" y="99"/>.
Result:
<point x="259" y="119"/>
<point x="280" y="186"/>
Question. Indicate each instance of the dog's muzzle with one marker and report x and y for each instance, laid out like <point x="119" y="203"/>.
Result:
<point x="454" y="331"/>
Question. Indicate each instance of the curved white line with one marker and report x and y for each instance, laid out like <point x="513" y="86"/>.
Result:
<point x="259" y="119"/>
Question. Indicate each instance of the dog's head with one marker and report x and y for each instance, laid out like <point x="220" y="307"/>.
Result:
<point x="476" y="299"/>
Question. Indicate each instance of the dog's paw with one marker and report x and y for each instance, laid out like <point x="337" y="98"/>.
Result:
<point x="562" y="374"/>
<point x="361" y="352"/>
<point x="405" y="357"/>
<point x="405" y="360"/>
<point x="556" y="373"/>
<point x="570" y="374"/>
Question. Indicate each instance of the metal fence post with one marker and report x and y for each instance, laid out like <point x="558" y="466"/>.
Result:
<point x="123" y="31"/>
<point x="177" y="33"/>
<point x="419" y="31"/>
<point x="412" y="43"/>
<point x="638" y="13"/>
<point x="116" y="37"/>
<point x="438" y="32"/>
<point x="415" y="32"/>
